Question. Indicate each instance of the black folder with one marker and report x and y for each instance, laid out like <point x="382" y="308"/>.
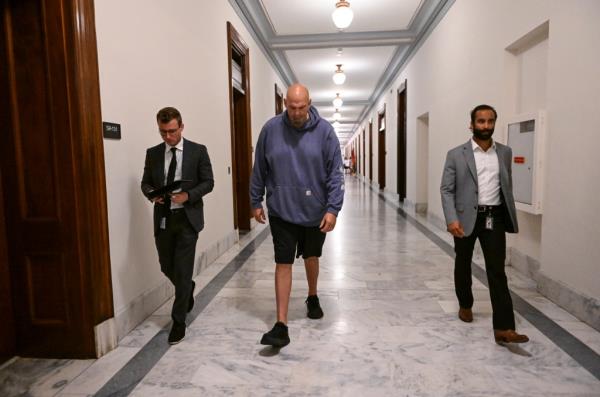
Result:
<point x="166" y="189"/>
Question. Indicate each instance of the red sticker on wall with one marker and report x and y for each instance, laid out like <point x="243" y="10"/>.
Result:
<point x="519" y="160"/>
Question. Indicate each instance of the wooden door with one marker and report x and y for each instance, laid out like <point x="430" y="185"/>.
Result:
<point x="7" y="330"/>
<point x="54" y="192"/>
<point x="401" y="180"/>
<point x="358" y="158"/>
<point x="371" y="152"/>
<point x="241" y="138"/>
<point x="363" y="153"/>
<point x="381" y="152"/>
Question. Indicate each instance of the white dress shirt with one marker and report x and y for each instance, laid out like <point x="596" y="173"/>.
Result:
<point x="488" y="174"/>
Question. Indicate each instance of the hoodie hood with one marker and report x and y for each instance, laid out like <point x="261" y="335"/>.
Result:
<point x="310" y="124"/>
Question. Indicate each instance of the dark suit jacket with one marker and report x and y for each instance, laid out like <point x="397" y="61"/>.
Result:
<point x="459" y="187"/>
<point x="196" y="167"/>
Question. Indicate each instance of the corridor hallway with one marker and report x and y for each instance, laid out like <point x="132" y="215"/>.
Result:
<point x="390" y="328"/>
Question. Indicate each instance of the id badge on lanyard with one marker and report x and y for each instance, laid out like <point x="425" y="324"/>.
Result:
<point x="489" y="221"/>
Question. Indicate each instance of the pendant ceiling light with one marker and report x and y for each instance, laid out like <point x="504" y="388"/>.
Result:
<point x="342" y="15"/>
<point x="336" y="125"/>
<point x="337" y="101"/>
<point x="337" y="115"/>
<point x="339" y="76"/>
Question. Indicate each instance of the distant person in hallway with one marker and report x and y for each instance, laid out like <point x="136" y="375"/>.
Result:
<point x="299" y="162"/>
<point x="178" y="215"/>
<point x="478" y="203"/>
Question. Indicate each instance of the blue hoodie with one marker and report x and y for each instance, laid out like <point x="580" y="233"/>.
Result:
<point x="301" y="169"/>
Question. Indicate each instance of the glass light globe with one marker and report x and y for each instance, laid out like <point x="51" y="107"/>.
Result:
<point x="336" y="125"/>
<point x="337" y="116"/>
<point x="339" y="76"/>
<point x="342" y="15"/>
<point x="337" y="102"/>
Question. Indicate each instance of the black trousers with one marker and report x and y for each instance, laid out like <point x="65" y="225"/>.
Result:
<point x="176" y="246"/>
<point x="493" y="245"/>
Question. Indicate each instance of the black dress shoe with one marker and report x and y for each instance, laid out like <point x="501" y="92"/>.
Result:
<point x="191" y="301"/>
<point x="177" y="333"/>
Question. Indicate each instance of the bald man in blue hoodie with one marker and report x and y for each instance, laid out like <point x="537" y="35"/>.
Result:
<point x="299" y="163"/>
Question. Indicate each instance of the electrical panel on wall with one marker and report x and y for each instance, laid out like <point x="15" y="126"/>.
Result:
<point x="526" y="134"/>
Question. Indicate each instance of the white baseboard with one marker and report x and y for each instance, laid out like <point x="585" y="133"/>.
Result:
<point x="147" y="303"/>
<point x="585" y="308"/>
<point x="105" y="334"/>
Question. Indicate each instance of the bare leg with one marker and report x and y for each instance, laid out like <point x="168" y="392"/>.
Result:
<point x="311" y="265"/>
<point x="283" y="287"/>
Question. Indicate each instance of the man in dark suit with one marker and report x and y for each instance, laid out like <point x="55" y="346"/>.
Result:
<point x="478" y="203"/>
<point x="178" y="215"/>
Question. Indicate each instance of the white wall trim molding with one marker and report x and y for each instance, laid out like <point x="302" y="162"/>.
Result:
<point x="105" y="335"/>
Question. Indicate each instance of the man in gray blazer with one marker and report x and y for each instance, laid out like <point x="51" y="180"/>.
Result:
<point x="178" y="215"/>
<point x="478" y="203"/>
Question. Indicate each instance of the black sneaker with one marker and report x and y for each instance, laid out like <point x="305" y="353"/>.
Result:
<point x="277" y="337"/>
<point x="177" y="333"/>
<point x="313" y="308"/>
<point x="191" y="301"/>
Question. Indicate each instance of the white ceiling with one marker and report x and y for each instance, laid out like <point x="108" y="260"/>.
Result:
<point x="302" y="42"/>
<point x="314" y="16"/>
<point x="363" y="67"/>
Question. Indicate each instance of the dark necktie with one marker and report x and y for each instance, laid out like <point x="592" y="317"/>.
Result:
<point x="171" y="176"/>
<point x="172" y="166"/>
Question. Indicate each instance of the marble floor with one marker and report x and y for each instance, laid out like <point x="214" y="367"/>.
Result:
<point x="390" y="328"/>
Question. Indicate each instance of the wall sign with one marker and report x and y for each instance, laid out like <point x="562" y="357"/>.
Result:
<point x="111" y="130"/>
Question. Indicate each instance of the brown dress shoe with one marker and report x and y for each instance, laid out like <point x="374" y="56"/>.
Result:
<point x="509" y="336"/>
<point x="465" y="315"/>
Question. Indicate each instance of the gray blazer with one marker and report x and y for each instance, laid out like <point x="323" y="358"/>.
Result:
<point x="459" y="187"/>
<point x="196" y="168"/>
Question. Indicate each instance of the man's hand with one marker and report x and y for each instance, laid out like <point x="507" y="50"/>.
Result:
<point x="179" y="198"/>
<point x="259" y="215"/>
<point x="456" y="229"/>
<point x="328" y="222"/>
<point x="158" y="199"/>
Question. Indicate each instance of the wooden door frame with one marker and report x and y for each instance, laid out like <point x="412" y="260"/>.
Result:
<point x="364" y="152"/>
<point x="241" y="138"/>
<point x="65" y="47"/>
<point x="278" y="100"/>
<point x="358" y="159"/>
<point x="371" y="151"/>
<point x="381" y="152"/>
<point x="401" y="142"/>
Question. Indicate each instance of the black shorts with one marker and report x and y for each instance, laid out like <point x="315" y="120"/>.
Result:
<point x="291" y="240"/>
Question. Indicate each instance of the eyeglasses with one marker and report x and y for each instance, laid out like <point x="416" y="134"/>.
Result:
<point x="169" y="132"/>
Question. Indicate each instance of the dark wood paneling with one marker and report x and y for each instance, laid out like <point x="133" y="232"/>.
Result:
<point x="45" y="275"/>
<point x="55" y="194"/>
